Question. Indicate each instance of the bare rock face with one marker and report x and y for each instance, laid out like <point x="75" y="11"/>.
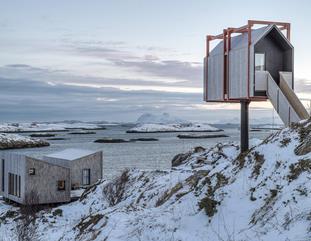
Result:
<point x="305" y="139"/>
<point x="180" y="158"/>
<point x="304" y="147"/>
<point x="14" y="141"/>
<point x="199" y="149"/>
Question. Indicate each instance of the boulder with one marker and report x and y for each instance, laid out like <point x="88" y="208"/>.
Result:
<point x="180" y="158"/>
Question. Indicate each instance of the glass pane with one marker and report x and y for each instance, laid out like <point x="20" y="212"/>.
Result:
<point x="260" y="61"/>
<point x="86" y="177"/>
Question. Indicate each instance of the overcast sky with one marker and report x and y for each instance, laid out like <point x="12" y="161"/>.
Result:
<point x="115" y="60"/>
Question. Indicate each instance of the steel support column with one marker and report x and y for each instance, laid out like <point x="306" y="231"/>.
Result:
<point x="244" y="125"/>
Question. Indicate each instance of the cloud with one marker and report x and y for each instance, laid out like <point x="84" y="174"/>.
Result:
<point x="182" y="70"/>
<point x="55" y="76"/>
<point x="148" y="63"/>
<point x="18" y="66"/>
<point x="26" y="99"/>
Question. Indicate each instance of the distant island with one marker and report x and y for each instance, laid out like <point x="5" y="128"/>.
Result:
<point x="150" y="123"/>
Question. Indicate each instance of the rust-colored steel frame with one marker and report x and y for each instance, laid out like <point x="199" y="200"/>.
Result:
<point x="226" y="37"/>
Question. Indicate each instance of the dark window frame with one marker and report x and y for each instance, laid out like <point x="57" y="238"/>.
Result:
<point x="61" y="185"/>
<point x="264" y="66"/>
<point x="2" y="177"/>
<point x="14" y="182"/>
<point x="32" y="171"/>
<point x="10" y="183"/>
<point x="86" y="176"/>
<point x="19" y="186"/>
<point x="15" y="185"/>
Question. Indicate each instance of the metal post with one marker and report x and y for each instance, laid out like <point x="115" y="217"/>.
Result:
<point x="244" y="125"/>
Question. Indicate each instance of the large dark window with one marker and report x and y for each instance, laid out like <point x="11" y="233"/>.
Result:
<point x="86" y="176"/>
<point x="14" y="184"/>
<point x="11" y="183"/>
<point x="19" y="187"/>
<point x="2" y="174"/>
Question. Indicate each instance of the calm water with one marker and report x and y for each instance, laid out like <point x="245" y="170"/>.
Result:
<point x="142" y="155"/>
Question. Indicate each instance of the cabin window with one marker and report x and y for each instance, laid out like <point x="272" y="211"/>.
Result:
<point x="260" y="62"/>
<point x="32" y="171"/>
<point x="11" y="183"/>
<point x="2" y="176"/>
<point x="14" y="184"/>
<point x="86" y="176"/>
<point x="61" y="185"/>
<point x="19" y="187"/>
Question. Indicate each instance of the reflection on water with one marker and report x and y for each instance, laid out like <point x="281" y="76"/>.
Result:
<point x="142" y="155"/>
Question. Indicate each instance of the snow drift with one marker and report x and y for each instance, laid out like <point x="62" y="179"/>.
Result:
<point x="214" y="194"/>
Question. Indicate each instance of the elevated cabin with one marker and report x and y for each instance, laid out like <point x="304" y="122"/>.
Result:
<point x="254" y="65"/>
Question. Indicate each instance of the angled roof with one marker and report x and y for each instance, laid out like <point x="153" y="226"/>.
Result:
<point x="241" y="40"/>
<point x="70" y="154"/>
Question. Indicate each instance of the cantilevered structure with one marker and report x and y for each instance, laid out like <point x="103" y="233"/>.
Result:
<point x="253" y="64"/>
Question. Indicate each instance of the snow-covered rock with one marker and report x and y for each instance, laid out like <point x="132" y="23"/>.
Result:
<point x="214" y="194"/>
<point x="166" y="123"/>
<point x="14" y="141"/>
<point x="46" y="126"/>
<point x="192" y="127"/>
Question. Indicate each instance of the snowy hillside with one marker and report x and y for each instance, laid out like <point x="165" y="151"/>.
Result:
<point x="163" y="118"/>
<point x="213" y="194"/>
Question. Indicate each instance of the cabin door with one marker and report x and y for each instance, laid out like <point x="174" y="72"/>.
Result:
<point x="260" y="62"/>
<point x="260" y="74"/>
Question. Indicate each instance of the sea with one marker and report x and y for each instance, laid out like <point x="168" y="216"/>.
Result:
<point x="145" y="155"/>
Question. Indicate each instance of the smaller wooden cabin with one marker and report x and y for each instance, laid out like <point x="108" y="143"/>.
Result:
<point x="28" y="180"/>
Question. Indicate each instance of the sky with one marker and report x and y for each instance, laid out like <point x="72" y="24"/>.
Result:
<point x="115" y="60"/>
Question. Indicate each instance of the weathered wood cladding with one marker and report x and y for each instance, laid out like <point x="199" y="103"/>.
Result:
<point x="94" y="162"/>
<point x="238" y="73"/>
<point x="215" y="84"/>
<point x="43" y="185"/>
<point x="39" y="178"/>
<point x="15" y="164"/>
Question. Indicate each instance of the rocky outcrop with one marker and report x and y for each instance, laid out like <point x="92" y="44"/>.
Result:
<point x="190" y="136"/>
<point x="180" y="158"/>
<point x="110" y="140"/>
<point x="42" y="135"/>
<point x="82" y="133"/>
<point x="143" y="139"/>
<point x="119" y="140"/>
<point x="14" y="141"/>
